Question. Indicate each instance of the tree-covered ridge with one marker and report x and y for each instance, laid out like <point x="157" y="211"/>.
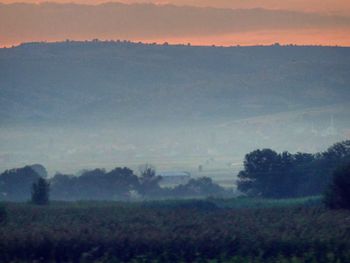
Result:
<point x="84" y="81"/>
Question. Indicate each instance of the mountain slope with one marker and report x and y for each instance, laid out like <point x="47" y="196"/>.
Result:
<point x="76" y="105"/>
<point x="119" y="81"/>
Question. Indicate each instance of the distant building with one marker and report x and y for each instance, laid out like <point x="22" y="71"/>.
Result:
<point x="174" y="178"/>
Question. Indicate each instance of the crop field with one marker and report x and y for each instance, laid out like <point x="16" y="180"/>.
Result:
<point x="175" y="231"/>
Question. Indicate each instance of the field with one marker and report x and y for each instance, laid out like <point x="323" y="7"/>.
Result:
<point x="236" y="230"/>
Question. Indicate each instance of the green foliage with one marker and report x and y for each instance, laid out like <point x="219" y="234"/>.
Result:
<point x="135" y="232"/>
<point x="338" y="193"/>
<point x="40" y="192"/>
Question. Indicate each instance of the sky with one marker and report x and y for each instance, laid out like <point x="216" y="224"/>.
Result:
<point x="222" y="22"/>
<point x="325" y="6"/>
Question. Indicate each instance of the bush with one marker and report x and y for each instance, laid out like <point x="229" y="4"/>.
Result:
<point x="40" y="192"/>
<point x="337" y="195"/>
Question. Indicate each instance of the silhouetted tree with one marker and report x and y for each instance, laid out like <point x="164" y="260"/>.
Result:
<point x="338" y="152"/>
<point x="260" y="174"/>
<point x="275" y="175"/>
<point x="269" y="174"/>
<point x="15" y="184"/>
<point x="40" y="192"/>
<point x="199" y="187"/>
<point x="120" y="182"/>
<point x="149" y="181"/>
<point x="96" y="184"/>
<point x="338" y="193"/>
<point x="318" y="174"/>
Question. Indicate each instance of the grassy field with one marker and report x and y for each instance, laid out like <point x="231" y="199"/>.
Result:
<point x="212" y="230"/>
<point x="245" y="202"/>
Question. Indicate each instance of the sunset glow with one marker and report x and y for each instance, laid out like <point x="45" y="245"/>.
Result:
<point x="293" y="22"/>
<point x="324" y="6"/>
<point x="303" y="37"/>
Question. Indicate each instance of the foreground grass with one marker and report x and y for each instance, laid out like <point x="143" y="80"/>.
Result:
<point x="245" y="202"/>
<point x="176" y="231"/>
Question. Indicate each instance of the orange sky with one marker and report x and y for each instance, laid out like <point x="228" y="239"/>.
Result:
<point x="303" y="37"/>
<point x="338" y="6"/>
<point x="307" y="37"/>
<point x="20" y="25"/>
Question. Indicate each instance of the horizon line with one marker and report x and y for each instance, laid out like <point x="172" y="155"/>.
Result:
<point x="165" y="43"/>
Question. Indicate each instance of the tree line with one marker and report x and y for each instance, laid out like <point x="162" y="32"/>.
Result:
<point x="120" y="184"/>
<point x="266" y="174"/>
<point x="269" y="174"/>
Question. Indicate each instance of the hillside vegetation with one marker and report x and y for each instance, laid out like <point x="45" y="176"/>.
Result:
<point x="117" y="81"/>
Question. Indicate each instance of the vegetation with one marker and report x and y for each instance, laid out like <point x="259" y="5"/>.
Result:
<point x="149" y="181"/>
<point x="215" y="229"/>
<point x="15" y="184"/>
<point x="40" y="192"/>
<point x="266" y="174"/>
<point x="338" y="193"/>
<point x="285" y="175"/>
<point x="3" y="214"/>
<point x="250" y="203"/>
<point x="173" y="231"/>
<point x="119" y="184"/>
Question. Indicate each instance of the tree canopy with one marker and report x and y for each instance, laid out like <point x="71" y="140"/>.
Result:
<point x="338" y="193"/>
<point x="15" y="184"/>
<point x="270" y="174"/>
<point x="40" y="192"/>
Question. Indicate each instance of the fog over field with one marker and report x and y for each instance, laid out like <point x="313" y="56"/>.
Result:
<point x="77" y="105"/>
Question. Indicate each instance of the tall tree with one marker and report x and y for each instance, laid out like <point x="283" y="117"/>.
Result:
<point x="40" y="192"/>
<point x="338" y="193"/>
<point x="149" y="181"/>
<point x="15" y="184"/>
<point x="259" y="175"/>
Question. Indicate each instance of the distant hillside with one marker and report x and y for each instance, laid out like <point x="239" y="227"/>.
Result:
<point x="171" y="101"/>
<point x="124" y="81"/>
